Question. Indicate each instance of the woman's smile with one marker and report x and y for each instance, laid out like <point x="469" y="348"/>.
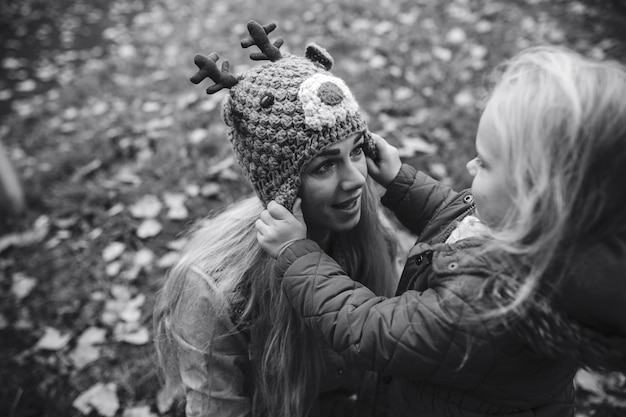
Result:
<point x="350" y="205"/>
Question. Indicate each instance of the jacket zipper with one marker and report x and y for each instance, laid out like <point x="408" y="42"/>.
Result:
<point x="453" y="225"/>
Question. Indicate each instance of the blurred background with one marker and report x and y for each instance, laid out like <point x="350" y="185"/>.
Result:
<point x="118" y="153"/>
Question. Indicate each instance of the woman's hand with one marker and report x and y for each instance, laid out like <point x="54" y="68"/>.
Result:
<point x="384" y="169"/>
<point x="277" y="228"/>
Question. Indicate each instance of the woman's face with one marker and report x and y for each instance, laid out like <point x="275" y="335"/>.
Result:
<point x="331" y="187"/>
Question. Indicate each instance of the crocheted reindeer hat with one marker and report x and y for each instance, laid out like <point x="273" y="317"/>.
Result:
<point x="282" y="114"/>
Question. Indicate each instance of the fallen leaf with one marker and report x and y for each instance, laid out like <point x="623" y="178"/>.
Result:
<point x="131" y="273"/>
<point x="65" y="222"/>
<point x="30" y="237"/>
<point x="140" y="411"/>
<point x="113" y="269"/>
<point x="131" y="333"/>
<point x="159" y="123"/>
<point x="165" y="399"/>
<point x="26" y="86"/>
<point x="177" y="244"/>
<point x="127" y="177"/>
<point x="6" y="95"/>
<point x="22" y="285"/>
<point x="122" y="306"/>
<point x="86" y="170"/>
<point x="121" y="292"/>
<point x="464" y="98"/>
<point x="403" y="93"/>
<point x="82" y="355"/>
<point x="442" y="54"/>
<point x="229" y="174"/>
<point x="70" y="113"/>
<point x="456" y="36"/>
<point x="220" y="166"/>
<point x="99" y="108"/>
<point x="53" y="340"/>
<point x="411" y="146"/>
<point x="144" y="258"/>
<point x="211" y="189"/>
<point x="192" y="190"/>
<point x="115" y="210"/>
<point x="148" y="207"/>
<point x="176" y="205"/>
<point x="483" y="26"/>
<point x="151" y="106"/>
<point x="12" y="63"/>
<point x="438" y="170"/>
<point x="131" y="311"/>
<point x="168" y="260"/>
<point x="101" y="397"/>
<point x="178" y="213"/>
<point x="588" y="381"/>
<point x="113" y="251"/>
<point x="149" y="228"/>
<point x="92" y="336"/>
<point x="197" y="136"/>
<point x="186" y="99"/>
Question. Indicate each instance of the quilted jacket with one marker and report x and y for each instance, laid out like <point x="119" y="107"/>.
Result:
<point x="442" y="359"/>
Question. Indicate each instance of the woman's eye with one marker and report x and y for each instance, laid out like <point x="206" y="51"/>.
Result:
<point x="357" y="151"/>
<point x="478" y="161"/>
<point x="324" y="167"/>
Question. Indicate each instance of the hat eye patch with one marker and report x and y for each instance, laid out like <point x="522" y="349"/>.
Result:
<point x="267" y="100"/>
<point x="330" y="93"/>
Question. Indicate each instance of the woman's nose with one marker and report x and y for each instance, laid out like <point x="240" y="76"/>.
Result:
<point x="353" y="177"/>
<point x="471" y="167"/>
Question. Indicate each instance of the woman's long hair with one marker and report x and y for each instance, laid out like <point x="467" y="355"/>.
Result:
<point x="561" y="122"/>
<point x="285" y="355"/>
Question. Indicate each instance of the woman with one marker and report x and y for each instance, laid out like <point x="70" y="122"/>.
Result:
<point x="223" y="328"/>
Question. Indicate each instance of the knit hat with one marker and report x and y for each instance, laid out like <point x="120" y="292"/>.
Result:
<point x="282" y="114"/>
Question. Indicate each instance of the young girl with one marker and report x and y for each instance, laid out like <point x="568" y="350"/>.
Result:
<point x="481" y="325"/>
<point x="224" y="331"/>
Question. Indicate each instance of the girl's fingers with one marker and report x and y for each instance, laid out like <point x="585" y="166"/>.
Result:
<point x="265" y="216"/>
<point x="277" y="211"/>
<point x="297" y="210"/>
<point x="260" y="226"/>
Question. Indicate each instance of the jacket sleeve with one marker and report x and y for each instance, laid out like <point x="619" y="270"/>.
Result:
<point x="213" y="362"/>
<point x="415" y="197"/>
<point x="417" y="334"/>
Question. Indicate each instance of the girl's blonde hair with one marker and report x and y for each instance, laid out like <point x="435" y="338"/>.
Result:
<point x="240" y="276"/>
<point x="561" y="121"/>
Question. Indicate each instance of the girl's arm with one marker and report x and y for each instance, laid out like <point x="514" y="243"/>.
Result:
<point x="413" y="196"/>
<point x="417" y="334"/>
<point x="214" y="364"/>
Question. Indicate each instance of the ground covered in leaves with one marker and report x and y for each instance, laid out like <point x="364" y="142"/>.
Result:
<point x="119" y="153"/>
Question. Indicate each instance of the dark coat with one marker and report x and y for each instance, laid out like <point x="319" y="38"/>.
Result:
<point x="444" y="359"/>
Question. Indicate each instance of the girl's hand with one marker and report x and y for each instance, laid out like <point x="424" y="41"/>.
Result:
<point x="388" y="164"/>
<point x="277" y="228"/>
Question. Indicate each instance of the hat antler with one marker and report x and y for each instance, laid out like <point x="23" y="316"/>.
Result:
<point x="208" y="69"/>
<point x="258" y="37"/>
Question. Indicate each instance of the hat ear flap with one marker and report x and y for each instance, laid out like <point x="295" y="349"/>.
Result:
<point x="319" y="55"/>
<point x="369" y="146"/>
<point x="227" y="114"/>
